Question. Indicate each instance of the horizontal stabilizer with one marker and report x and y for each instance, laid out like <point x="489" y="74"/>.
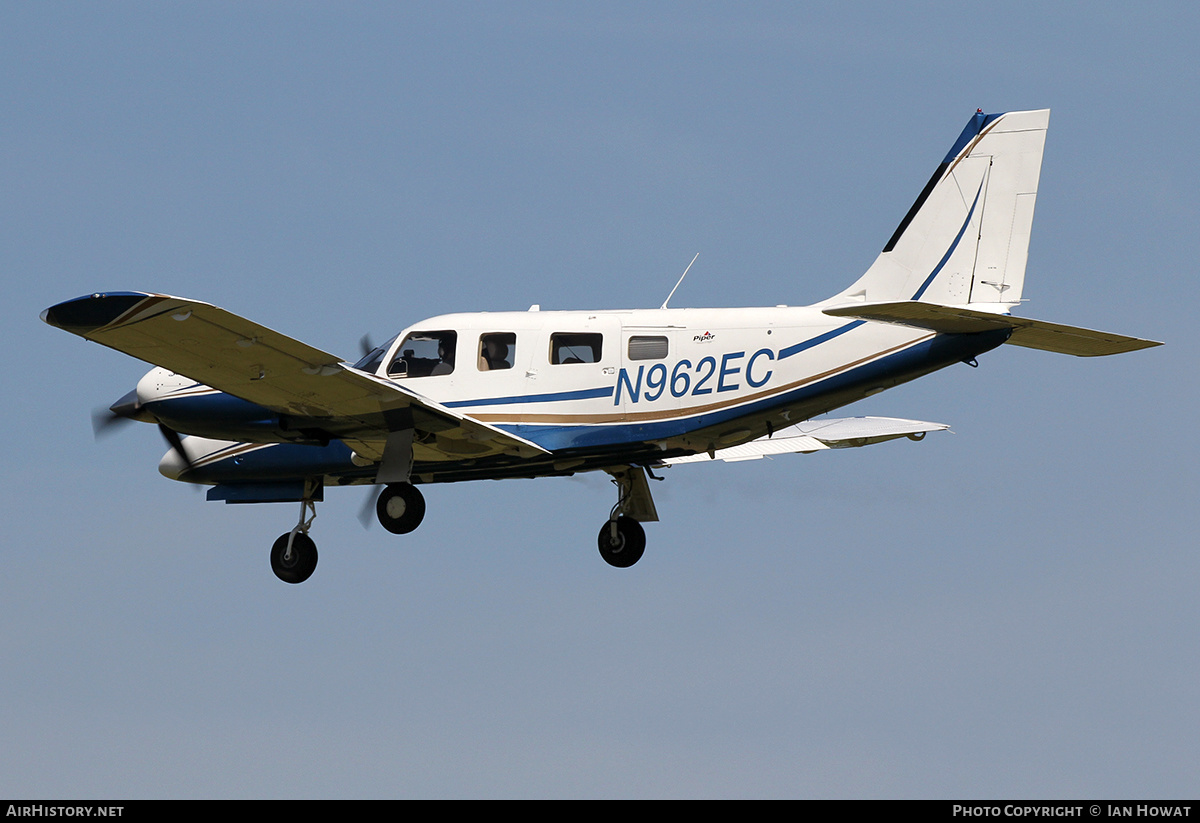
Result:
<point x="816" y="435"/>
<point x="1032" y="334"/>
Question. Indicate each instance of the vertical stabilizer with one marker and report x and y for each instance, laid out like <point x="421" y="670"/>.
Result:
<point x="966" y="238"/>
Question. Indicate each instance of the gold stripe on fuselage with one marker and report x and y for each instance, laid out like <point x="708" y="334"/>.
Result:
<point x="668" y="414"/>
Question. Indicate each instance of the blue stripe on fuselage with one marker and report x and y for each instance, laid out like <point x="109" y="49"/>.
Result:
<point x="917" y="359"/>
<point x="607" y="391"/>
<point x="818" y="340"/>
<point x="552" y="397"/>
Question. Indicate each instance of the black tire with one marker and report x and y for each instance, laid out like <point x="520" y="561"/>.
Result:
<point x="401" y="508"/>
<point x="303" y="562"/>
<point x="629" y="545"/>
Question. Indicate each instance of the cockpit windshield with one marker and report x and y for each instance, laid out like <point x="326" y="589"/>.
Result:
<point x="371" y="360"/>
<point x="424" y="353"/>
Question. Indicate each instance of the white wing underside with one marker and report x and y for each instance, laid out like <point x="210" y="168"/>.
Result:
<point x="818" y="435"/>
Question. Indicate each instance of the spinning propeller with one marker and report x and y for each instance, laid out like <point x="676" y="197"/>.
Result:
<point x="366" y="515"/>
<point x="125" y="410"/>
<point x="129" y="409"/>
<point x="176" y="444"/>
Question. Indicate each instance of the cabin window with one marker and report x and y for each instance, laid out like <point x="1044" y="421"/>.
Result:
<point x="424" y="354"/>
<point x="647" y="348"/>
<point x="575" y="348"/>
<point x="497" y="351"/>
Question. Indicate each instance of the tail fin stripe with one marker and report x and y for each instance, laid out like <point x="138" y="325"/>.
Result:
<point x="976" y="128"/>
<point x="916" y="206"/>
<point x="953" y="246"/>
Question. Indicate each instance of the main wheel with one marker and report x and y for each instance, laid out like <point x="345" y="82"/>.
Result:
<point x="626" y="547"/>
<point x="400" y="508"/>
<point x="299" y="566"/>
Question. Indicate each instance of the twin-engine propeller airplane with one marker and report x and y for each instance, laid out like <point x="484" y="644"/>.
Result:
<point x="536" y="394"/>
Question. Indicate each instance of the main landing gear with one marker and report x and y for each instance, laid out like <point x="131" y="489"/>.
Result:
<point x="622" y="540"/>
<point x="401" y="508"/>
<point x="294" y="555"/>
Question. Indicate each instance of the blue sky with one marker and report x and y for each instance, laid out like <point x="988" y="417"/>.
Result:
<point x="1005" y="611"/>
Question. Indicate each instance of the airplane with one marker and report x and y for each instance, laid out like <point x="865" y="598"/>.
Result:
<point x="261" y="417"/>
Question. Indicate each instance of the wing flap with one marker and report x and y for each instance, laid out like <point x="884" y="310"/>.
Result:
<point x="1027" y="332"/>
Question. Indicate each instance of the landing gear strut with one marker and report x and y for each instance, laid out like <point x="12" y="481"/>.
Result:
<point x="622" y="540"/>
<point x="400" y="507"/>
<point x="294" y="555"/>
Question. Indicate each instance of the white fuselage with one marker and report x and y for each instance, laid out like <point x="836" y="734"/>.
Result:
<point x="640" y="374"/>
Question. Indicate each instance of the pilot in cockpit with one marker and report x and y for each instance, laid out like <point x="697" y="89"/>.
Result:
<point x="445" y="359"/>
<point x="423" y="354"/>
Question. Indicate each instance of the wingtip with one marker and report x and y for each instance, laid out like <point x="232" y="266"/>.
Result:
<point x="91" y="311"/>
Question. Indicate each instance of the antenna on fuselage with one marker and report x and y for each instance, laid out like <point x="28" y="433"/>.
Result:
<point x="685" y="271"/>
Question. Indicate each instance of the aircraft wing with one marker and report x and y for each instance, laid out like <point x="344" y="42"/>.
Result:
<point x="819" y="434"/>
<point x="242" y="358"/>
<point x="1033" y="334"/>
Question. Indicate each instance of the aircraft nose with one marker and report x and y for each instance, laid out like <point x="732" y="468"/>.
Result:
<point x="128" y="406"/>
